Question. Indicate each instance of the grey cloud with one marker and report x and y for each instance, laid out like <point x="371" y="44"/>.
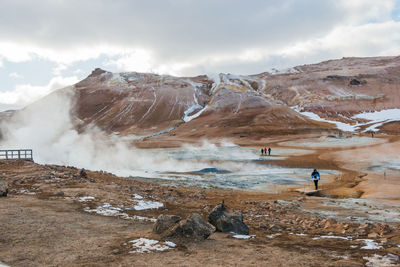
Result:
<point x="172" y="28"/>
<point x="194" y="31"/>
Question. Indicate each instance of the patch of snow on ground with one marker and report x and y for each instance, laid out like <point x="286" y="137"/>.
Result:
<point x="3" y="265"/>
<point x="378" y="260"/>
<point x="301" y="234"/>
<point x="141" y="218"/>
<point x="243" y="236"/>
<point x="171" y="244"/>
<point x="85" y="199"/>
<point x="273" y="235"/>
<point x="369" y="244"/>
<point x="26" y="192"/>
<point x="137" y="196"/>
<point x="147" y="204"/>
<point x="107" y="210"/>
<point x="332" y="237"/>
<point x="144" y="245"/>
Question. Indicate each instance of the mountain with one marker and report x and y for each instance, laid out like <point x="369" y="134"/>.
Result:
<point x="240" y="106"/>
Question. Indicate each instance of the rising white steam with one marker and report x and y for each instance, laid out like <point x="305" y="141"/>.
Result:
<point x="47" y="127"/>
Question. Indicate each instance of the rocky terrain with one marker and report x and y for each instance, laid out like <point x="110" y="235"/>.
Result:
<point x="59" y="215"/>
<point x="316" y="116"/>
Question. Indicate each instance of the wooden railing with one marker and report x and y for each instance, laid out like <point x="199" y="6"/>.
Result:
<point x="25" y="154"/>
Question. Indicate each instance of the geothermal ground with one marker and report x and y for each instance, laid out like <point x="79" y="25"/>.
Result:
<point x="53" y="216"/>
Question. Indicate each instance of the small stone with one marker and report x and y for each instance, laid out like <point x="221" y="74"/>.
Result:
<point x="3" y="188"/>
<point x="275" y="228"/>
<point x="60" y="194"/>
<point x="373" y="235"/>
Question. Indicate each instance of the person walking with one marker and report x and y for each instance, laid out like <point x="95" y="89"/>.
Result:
<point x="262" y="151"/>
<point x="315" y="176"/>
<point x="269" y="151"/>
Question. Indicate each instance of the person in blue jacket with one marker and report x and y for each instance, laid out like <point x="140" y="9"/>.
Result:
<point x="315" y="176"/>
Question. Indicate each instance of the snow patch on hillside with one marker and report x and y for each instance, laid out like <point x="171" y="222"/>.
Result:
<point x="376" y="119"/>
<point x="340" y="125"/>
<point x="188" y="114"/>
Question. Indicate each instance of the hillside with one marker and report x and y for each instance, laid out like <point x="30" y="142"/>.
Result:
<point x="239" y="106"/>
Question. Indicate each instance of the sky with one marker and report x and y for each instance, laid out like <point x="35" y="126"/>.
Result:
<point x="49" y="44"/>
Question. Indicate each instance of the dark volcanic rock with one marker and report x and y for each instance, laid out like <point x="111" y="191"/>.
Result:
<point x="83" y="173"/>
<point x="355" y="82"/>
<point x="164" y="222"/>
<point x="3" y="188"/>
<point x="217" y="212"/>
<point x="226" y="221"/>
<point x="194" y="227"/>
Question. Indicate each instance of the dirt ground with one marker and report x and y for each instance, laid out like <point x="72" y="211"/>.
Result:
<point x="46" y="220"/>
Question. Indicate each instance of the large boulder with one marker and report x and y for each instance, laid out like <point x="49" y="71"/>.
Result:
<point x="194" y="227"/>
<point x="3" y="188"/>
<point x="164" y="222"/>
<point x="226" y="221"/>
<point x="216" y="213"/>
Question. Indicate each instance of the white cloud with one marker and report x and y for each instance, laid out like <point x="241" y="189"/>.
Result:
<point x="136" y="60"/>
<point x="24" y="94"/>
<point x="15" y="75"/>
<point x="59" y="68"/>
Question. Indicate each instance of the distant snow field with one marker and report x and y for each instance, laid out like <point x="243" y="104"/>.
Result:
<point x="376" y="119"/>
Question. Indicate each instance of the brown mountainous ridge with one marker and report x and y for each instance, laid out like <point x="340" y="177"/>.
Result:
<point x="237" y="106"/>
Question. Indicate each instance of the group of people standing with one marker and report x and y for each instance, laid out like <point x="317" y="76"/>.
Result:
<point x="314" y="175"/>
<point x="264" y="151"/>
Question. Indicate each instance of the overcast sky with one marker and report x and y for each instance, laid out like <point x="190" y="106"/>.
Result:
<point x="48" y="44"/>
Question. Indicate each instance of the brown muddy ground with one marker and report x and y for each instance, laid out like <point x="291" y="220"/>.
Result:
<point x="43" y="223"/>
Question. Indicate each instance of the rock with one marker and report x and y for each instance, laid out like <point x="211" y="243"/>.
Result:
<point x="373" y="235"/>
<point x="83" y="174"/>
<point x="226" y="221"/>
<point x="233" y="222"/>
<point x="194" y="227"/>
<point x="275" y="228"/>
<point x="165" y="222"/>
<point x="355" y="82"/>
<point x="3" y="188"/>
<point x="385" y="228"/>
<point x="216" y="213"/>
<point x="60" y="194"/>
